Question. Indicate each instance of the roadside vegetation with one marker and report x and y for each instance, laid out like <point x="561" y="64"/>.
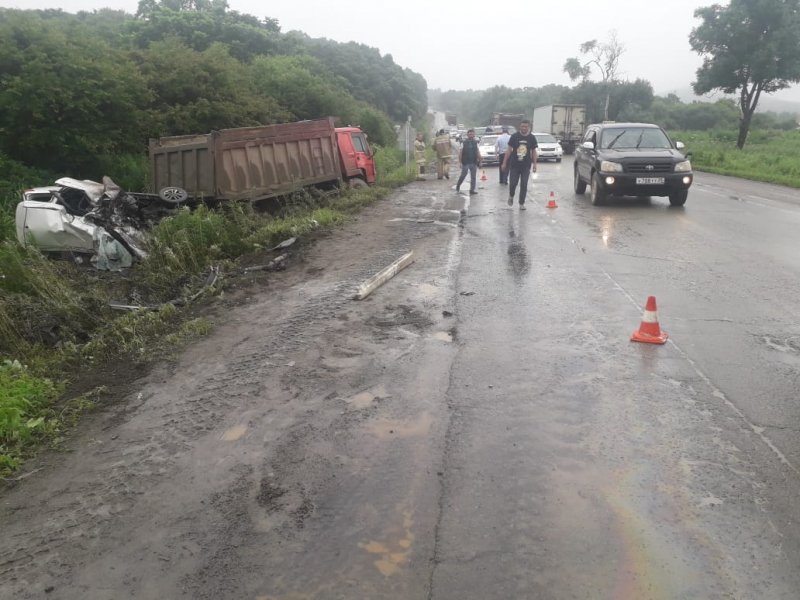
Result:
<point x="57" y="330"/>
<point x="770" y="155"/>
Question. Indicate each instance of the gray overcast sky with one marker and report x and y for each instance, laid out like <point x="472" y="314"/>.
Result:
<point x="463" y="45"/>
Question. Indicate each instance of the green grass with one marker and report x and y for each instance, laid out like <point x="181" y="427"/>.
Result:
<point x="769" y="155"/>
<point x="24" y="399"/>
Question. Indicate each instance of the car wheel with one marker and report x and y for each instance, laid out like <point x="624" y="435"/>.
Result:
<point x="598" y="196"/>
<point x="580" y="185"/>
<point x="173" y="195"/>
<point x="558" y="159"/>
<point x="678" y="198"/>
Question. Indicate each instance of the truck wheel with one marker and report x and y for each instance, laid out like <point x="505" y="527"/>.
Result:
<point x="678" y="198"/>
<point x="580" y="185"/>
<point x="558" y="159"/>
<point x="173" y="195"/>
<point x="597" y="193"/>
<point x="357" y="182"/>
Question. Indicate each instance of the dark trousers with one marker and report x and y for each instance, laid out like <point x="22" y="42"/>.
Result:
<point x="519" y="175"/>
<point x="473" y="172"/>
<point x="503" y="174"/>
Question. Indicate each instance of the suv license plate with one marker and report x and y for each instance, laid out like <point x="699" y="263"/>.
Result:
<point x="649" y="180"/>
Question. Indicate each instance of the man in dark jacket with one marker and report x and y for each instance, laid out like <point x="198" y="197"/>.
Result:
<point x="470" y="158"/>
<point x="520" y="160"/>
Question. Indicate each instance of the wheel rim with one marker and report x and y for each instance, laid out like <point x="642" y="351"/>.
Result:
<point x="173" y="194"/>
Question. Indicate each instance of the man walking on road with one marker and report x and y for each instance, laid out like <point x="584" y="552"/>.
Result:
<point x="470" y="158"/>
<point x="500" y="147"/>
<point x="519" y="161"/>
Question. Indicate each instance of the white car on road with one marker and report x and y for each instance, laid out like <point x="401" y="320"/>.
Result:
<point x="549" y="148"/>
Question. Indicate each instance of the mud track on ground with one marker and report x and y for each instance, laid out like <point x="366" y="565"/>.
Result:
<point x="211" y="476"/>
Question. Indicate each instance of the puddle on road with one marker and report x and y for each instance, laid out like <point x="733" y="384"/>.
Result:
<point x="234" y="433"/>
<point x="444" y="336"/>
<point x="427" y="290"/>
<point x="385" y="429"/>
<point x="393" y="550"/>
<point x="365" y="398"/>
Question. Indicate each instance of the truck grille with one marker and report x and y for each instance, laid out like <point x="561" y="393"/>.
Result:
<point x="648" y="167"/>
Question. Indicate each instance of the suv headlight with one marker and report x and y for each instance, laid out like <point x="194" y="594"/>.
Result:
<point x="610" y="167"/>
<point x="683" y="167"/>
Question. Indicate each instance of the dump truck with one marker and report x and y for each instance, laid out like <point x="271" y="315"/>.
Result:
<point x="566" y="122"/>
<point x="257" y="163"/>
<point x="508" y="119"/>
<point x="452" y="119"/>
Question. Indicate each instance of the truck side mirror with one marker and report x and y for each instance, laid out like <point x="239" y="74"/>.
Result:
<point x="679" y="145"/>
<point x="588" y="145"/>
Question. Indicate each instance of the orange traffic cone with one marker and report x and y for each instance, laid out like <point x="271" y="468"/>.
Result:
<point x="649" y="331"/>
<point x="552" y="202"/>
<point x="483" y="175"/>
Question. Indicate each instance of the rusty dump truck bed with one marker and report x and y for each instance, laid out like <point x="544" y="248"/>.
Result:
<point x="248" y="162"/>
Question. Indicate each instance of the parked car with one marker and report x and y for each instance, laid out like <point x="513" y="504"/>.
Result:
<point x="486" y="147"/>
<point x="548" y="147"/>
<point x="631" y="159"/>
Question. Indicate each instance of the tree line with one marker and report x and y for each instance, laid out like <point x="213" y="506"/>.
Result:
<point x="81" y="94"/>
<point x="749" y="48"/>
<point x="627" y="101"/>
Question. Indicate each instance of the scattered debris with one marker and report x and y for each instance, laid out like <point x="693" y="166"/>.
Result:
<point x="276" y="264"/>
<point x="377" y="280"/>
<point x="467" y="293"/>
<point x="284" y="244"/>
<point x="447" y="313"/>
<point x="211" y="280"/>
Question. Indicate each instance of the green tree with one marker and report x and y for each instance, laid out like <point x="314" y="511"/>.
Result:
<point x="301" y="85"/>
<point x="602" y="57"/>
<point x="196" y="92"/>
<point x="201" y="23"/>
<point x="749" y="47"/>
<point x="68" y="99"/>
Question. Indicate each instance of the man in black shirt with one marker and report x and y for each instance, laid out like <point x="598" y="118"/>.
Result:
<point x="519" y="161"/>
<point x="470" y="158"/>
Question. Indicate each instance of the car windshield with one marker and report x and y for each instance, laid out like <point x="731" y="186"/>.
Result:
<point x="488" y="139"/>
<point x="545" y="138"/>
<point x="634" y="137"/>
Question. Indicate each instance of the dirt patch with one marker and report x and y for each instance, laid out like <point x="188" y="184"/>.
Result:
<point x="200" y="462"/>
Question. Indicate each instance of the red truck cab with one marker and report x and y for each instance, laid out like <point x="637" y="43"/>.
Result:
<point x="355" y="156"/>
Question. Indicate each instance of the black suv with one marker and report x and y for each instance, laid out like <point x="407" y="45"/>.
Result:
<point x="631" y="159"/>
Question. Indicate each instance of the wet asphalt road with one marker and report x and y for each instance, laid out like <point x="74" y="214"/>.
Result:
<point x="582" y="465"/>
<point x="480" y="428"/>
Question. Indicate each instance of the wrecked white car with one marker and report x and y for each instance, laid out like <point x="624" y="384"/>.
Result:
<point x="89" y="218"/>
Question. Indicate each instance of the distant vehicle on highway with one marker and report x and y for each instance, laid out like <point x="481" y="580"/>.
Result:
<point x="486" y="146"/>
<point x="548" y="147"/>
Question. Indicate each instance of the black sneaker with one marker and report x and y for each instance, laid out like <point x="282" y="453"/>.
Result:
<point x="511" y="200"/>
<point x="472" y="192"/>
<point x="458" y="190"/>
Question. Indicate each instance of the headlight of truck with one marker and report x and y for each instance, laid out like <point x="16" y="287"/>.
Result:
<point x="683" y="167"/>
<point x="610" y="167"/>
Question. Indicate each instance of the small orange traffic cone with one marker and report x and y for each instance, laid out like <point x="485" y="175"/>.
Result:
<point x="649" y="331"/>
<point x="552" y="201"/>
<point x="483" y="175"/>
